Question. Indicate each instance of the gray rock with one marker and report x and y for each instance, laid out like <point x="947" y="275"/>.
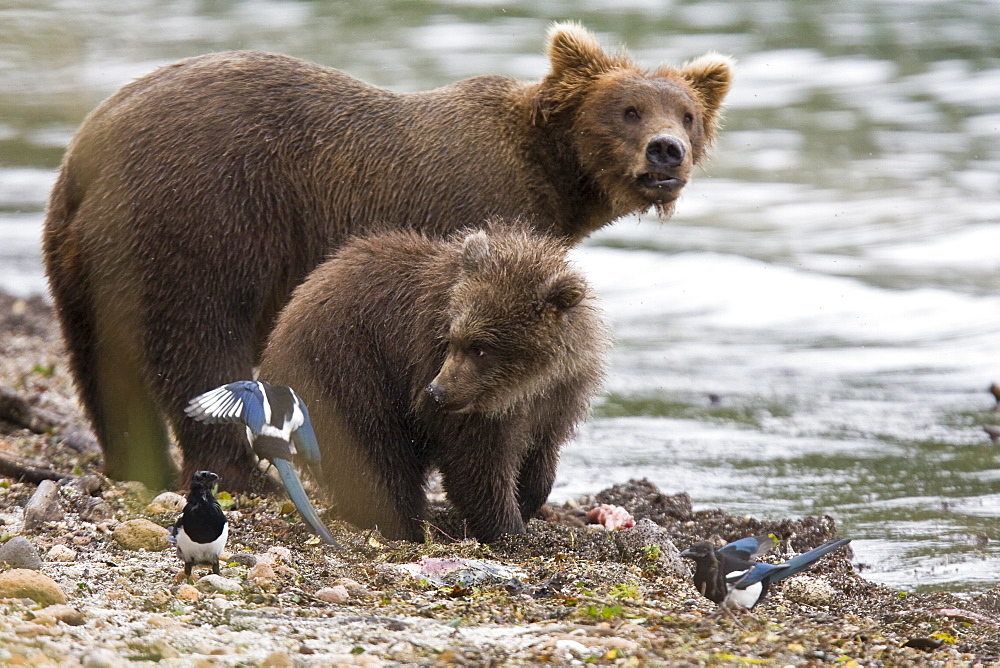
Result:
<point x="243" y="559"/>
<point x="18" y="552"/>
<point x="43" y="506"/>
<point x="81" y="440"/>
<point x="648" y="541"/>
<point x="87" y="485"/>
<point x="96" y="510"/>
<point x="216" y="584"/>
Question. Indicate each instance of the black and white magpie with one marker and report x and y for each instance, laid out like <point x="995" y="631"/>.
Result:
<point x="200" y="533"/>
<point x="729" y="576"/>
<point x="278" y="429"/>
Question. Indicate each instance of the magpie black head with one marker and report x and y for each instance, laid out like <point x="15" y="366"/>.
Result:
<point x="203" y="481"/>
<point x="701" y="550"/>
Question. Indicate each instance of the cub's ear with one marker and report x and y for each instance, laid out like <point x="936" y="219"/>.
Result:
<point x="710" y="76"/>
<point x="577" y="59"/>
<point x="475" y="250"/>
<point x="563" y="291"/>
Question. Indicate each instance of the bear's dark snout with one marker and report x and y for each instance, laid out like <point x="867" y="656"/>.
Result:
<point x="665" y="151"/>
<point x="436" y="392"/>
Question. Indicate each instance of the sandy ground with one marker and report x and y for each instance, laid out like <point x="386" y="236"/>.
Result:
<point x="565" y="593"/>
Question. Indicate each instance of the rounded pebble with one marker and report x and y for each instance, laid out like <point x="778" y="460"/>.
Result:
<point x="141" y="534"/>
<point x="808" y="591"/>
<point x="166" y="502"/>
<point x="355" y="588"/>
<point x="188" y="592"/>
<point x="211" y="584"/>
<point x="96" y="510"/>
<point x="18" y="552"/>
<point x="25" y="583"/>
<point x="572" y="648"/>
<point x="244" y="559"/>
<point x="103" y="658"/>
<point x="89" y="484"/>
<point x="281" y="552"/>
<point x="60" y="553"/>
<point x="261" y="571"/>
<point x="335" y="594"/>
<point x="278" y="660"/>
<point x="60" y="613"/>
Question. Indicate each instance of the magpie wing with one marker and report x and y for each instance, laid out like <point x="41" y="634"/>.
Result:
<point x="239" y="402"/>
<point x="748" y="548"/>
<point x="752" y="575"/>
<point x="790" y="567"/>
<point x="305" y="438"/>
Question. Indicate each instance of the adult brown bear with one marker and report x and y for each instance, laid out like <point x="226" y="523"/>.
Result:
<point x="192" y="202"/>
<point x="475" y="355"/>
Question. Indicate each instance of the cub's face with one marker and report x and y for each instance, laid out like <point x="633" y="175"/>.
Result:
<point x="486" y="376"/>
<point x="639" y="137"/>
<point x="500" y="353"/>
<point x="513" y="326"/>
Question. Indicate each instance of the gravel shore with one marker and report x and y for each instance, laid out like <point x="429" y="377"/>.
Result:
<point x="89" y="579"/>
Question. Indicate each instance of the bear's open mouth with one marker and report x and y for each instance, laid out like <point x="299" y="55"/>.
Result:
<point x="663" y="183"/>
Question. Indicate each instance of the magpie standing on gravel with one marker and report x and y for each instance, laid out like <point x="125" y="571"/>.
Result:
<point x="278" y="428"/>
<point x="200" y="533"/>
<point x="729" y="576"/>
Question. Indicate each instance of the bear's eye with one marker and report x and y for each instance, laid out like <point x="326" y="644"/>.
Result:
<point x="632" y="114"/>
<point x="477" y="352"/>
<point x="688" y="120"/>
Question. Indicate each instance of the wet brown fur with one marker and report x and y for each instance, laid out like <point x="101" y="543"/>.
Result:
<point x="192" y="202"/>
<point x="496" y="323"/>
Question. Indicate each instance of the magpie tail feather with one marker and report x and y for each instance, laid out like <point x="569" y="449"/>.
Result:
<point x="293" y="486"/>
<point x="803" y="561"/>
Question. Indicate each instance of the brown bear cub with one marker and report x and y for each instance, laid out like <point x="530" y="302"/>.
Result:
<point x="192" y="202"/>
<point x="476" y="355"/>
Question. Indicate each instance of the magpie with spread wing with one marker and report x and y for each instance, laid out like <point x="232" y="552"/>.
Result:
<point x="278" y="429"/>
<point x="200" y="533"/>
<point x="729" y="576"/>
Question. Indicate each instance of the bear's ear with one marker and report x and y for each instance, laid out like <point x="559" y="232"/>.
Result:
<point x="577" y="59"/>
<point x="563" y="291"/>
<point x="475" y="250"/>
<point x="710" y="76"/>
<point x="574" y="49"/>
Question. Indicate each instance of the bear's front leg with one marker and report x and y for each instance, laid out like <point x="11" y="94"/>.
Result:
<point x="536" y="477"/>
<point x="549" y="430"/>
<point x="480" y="483"/>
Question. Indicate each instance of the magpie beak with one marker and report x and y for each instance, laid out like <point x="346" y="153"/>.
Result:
<point x="278" y="429"/>
<point x="728" y="575"/>
<point x="201" y="531"/>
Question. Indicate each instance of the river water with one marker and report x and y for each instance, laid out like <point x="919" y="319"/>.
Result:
<point x="815" y="330"/>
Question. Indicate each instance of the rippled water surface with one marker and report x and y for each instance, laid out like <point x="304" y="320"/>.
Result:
<point x="814" y="332"/>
